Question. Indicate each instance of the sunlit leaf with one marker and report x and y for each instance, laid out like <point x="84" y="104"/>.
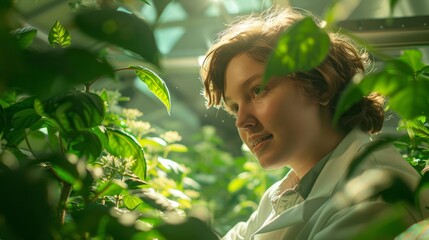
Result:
<point x="301" y="48"/>
<point x="239" y="182"/>
<point x="176" y="147"/>
<point x="122" y="29"/>
<point x="132" y="202"/>
<point x="171" y="165"/>
<point x="75" y="110"/>
<point x="66" y="175"/>
<point x="122" y="144"/>
<point x="413" y="58"/>
<point x="112" y="187"/>
<point x="59" y="36"/>
<point x="24" y="36"/>
<point x="155" y="84"/>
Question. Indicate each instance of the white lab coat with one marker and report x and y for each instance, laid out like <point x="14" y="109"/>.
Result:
<point x="331" y="211"/>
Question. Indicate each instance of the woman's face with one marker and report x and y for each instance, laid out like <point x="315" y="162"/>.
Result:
<point x="279" y="123"/>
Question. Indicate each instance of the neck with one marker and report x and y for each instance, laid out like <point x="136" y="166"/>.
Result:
<point x="306" y="160"/>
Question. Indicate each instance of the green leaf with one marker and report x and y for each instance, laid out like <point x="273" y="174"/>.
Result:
<point x="24" y="36"/>
<point x="101" y="133"/>
<point x="192" y="228"/>
<point x="398" y="81"/>
<point x="25" y="118"/>
<point x="413" y="58"/>
<point x="176" y="148"/>
<point x="85" y="144"/>
<point x="75" y="110"/>
<point x="122" y="29"/>
<point x="239" y="182"/>
<point x="48" y="73"/>
<point x="155" y="84"/>
<point x="113" y="187"/>
<point x="411" y="101"/>
<point x="59" y="36"/>
<point x="302" y="47"/>
<point x="132" y="202"/>
<point x="122" y="144"/>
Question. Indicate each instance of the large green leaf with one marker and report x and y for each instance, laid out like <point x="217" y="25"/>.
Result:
<point x="59" y="36"/>
<point x="75" y="110"/>
<point x="301" y="48"/>
<point x="49" y="73"/>
<point x="155" y="84"/>
<point x="122" y="29"/>
<point x="403" y="80"/>
<point x="122" y="144"/>
<point x="24" y="36"/>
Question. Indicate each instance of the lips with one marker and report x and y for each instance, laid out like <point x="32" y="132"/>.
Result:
<point x="258" y="140"/>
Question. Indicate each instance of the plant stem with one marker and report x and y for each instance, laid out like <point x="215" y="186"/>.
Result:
<point x="62" y="210"/>
<point x="28" y="144"/>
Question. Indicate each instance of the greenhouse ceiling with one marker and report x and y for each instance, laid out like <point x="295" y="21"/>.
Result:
<point x="186" y="28"/>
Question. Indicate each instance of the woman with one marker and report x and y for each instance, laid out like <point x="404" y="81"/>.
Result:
<point x="288" y="122"/>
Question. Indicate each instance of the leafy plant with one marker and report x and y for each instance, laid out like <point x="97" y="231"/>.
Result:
<point x="77" y="155"/>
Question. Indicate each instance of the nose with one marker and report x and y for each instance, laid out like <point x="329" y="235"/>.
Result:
<point x="245" y="118"/>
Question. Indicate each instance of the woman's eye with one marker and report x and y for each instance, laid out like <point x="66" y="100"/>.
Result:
<point x="258" y="90"/>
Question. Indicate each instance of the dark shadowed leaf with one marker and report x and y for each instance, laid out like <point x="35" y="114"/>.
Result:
<point x="75" y="110"/>
<point x="155" y="84"/>
<point x="122" y="29"/>
<point x="124" y="145"/>
<point x="97" y="220"/>
<point x="85" y="144"/>
<point x="192" y="228"/>
<point x="301" y="48"/>
<point x="5" y="5"/>
<point x="48" y="73"/>
<point x="59" y="36"/>
<point x="27" y="204"/>
<point x="25" y="118"/>
<point x="24" y="36"/>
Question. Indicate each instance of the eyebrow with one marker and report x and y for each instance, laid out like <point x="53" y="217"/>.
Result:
<point x="246" y="83"/>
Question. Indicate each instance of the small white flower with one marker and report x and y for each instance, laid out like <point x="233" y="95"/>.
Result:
<point x="171" y="136"/>
<point x="131" y="113"/>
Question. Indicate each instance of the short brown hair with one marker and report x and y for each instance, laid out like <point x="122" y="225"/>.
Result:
<point x="257" y="35"/>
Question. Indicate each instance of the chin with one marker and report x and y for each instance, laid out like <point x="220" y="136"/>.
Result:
<point x="271" y="165"/>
